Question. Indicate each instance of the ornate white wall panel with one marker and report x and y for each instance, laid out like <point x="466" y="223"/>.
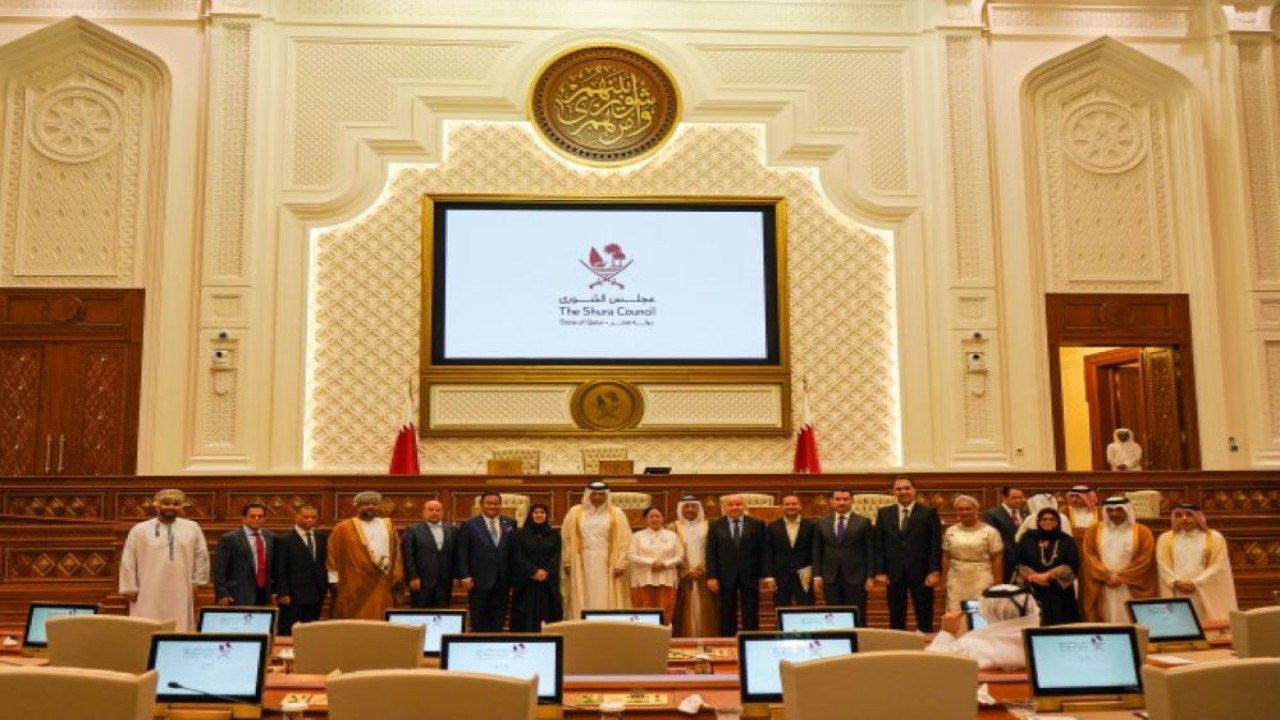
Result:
<point x="1271" y="366"/>
<point x="510" y="406"/>
<point x="83" y="115"/>
<point x="99" y="8"/>
<point x="1260" y="113"/>
<point x="971" y="222"/>
<point x="711" y="405"/>
<point x="1159" y="18"/>
<point x="364" y="334"/>
<point x="862" y="87"/>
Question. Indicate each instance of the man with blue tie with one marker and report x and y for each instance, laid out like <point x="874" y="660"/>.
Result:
<point x="909" y="555"/>
<point x="428" y="549"/>
<point x="844" y="555"/>
<point x="242" y="564"/>
<point x="735" y="565"/>
<point x="484" y="563"/>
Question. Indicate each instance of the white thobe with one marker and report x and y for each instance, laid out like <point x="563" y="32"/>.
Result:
<point x="1201" y="559"/>
<point x="1115" y="549"/>
<point x="163" y="563"/>
<point x="596" y="563"/>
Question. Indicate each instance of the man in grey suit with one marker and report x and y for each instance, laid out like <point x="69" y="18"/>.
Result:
<point x="242" y="565"/>
<point x="428" y="550"/>
<point x="844" y="555"/>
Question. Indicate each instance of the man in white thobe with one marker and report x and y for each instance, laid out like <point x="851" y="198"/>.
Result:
<point x="164" y="560"/>
<point x="596" y="538"/>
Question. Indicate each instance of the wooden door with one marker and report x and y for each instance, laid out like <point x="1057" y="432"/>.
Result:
<point x="70" y="367"/>
<point x="1165" y="438"/>
<point x="1114" y="387"/>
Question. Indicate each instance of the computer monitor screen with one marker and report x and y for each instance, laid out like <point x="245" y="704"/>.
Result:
<point x="437" y="624"/>
<point x="33" y="635"/>
<point x="972" y="617"/>
<point x="193" y="667"/>
<point x="760" y="655"/>
<point x="646" y="616"/>
<point x="520" y="656"/>
<point x="237" y="619"/>
<point x="1067" y="660"/>
<point x="816" y="619"/>
<point x="1168" y="619"/>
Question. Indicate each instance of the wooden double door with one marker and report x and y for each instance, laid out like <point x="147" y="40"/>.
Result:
<point x="70" y="369"/>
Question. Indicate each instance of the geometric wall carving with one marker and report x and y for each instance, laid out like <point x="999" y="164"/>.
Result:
<point x="62" y="564"/>
<point x="51" y="505"/>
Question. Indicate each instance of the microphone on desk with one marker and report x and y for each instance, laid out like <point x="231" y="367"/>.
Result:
<point x="175" y="685"/>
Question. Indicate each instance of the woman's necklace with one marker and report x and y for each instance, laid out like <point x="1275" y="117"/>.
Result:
<point x="1052" y="555"/>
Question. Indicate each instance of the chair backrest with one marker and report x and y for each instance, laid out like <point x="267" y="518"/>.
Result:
<point x="868" y="504"/>
<point x="886" y="684"/>
<point x="528" y="457"/>
<point x="591" y="456"/>
<point x="596" y="647"/>
<point x="60" y="693"/>
<point x="514" y="505"/>
<point x="102" y="642"/>
<point x="1237" y="689"/>
<point x="452" y="694"/>
<point x="1256" y="633"/>
<point x="351" y="645"/>
<point x="1143" y="632"/>
<point x="1146" y="503"/>
<point x="881" y="639"/>
<point x="627" y="500"/>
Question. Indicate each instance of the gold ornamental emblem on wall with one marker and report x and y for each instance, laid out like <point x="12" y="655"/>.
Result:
<point x="607" y="405"/>
<point x="605" y="105"/>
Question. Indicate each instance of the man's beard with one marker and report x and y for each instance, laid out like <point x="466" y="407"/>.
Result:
<point x="168" y="516"/>
<point x="368" y="514"/>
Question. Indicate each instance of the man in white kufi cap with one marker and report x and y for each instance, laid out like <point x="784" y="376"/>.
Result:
<point x="164" y="560"/>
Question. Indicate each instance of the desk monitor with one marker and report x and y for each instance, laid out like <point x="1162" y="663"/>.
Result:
<point x="818" y="619"/>
<point x="436" y="623"/>
<point x="972" y="618"/>
<point x="33" y="635"/>
<point x="237" y="619"/>
<point x="514" y="655"/>
<point x="1170" y="620"/>
<point x="1065" y="662"/>
<point x="209" y="667"/>
<point x="657" y="470"/>
<point x="644" y="616"/>
<point x="759" y="655"/>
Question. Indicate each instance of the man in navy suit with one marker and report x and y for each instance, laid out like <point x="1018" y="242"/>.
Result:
<point x="844" y="555"/>
<point x="484" y="563"/>
<point x="735" y="564"/>
<point x="1006" y="518"/>
<point x="789" y="554"/>
<point x="909" y="557"/>
<point x="428" y="549"/>
<point x="301" y="577"/>
<point x="242" y="565"/>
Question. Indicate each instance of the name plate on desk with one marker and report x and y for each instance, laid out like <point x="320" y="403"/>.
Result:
<point x="628" y="699"/>
<point x="617" y="467"/>
<point x="504" y="467"/>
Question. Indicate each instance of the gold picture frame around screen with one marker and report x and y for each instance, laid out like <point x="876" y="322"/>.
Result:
<point x="567" y="381"/>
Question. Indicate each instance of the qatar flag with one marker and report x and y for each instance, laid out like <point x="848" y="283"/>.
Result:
<point x="806" y="439"/>
<point x="404" y="456"/>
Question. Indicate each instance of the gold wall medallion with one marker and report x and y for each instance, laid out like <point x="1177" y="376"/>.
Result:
<point x="605" y="105"/>
<point x="607" y="405"/>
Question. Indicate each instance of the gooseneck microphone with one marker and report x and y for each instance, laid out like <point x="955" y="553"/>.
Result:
<point x="175" y="685"/>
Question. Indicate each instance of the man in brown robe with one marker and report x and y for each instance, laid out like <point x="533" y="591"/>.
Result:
<point x="364" y="562"/>
<point x="1117" y="563"/>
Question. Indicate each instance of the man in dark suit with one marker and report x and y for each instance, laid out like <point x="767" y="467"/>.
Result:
<point x="735" y="564"/>
<point x="909" y="555"/>
<point x="1006" y="518"/>
<point x="242" y="566"/>
<point x="484" y="563"/>
<point x="428" y="549"/>
<point x="789" y="555"/>
<point x="301" y="577"/>
<point x="844" y="555"/>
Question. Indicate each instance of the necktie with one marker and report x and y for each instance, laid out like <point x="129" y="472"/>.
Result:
<point x="1017" y="518"/>
<point x="902" y="524"/>
<point x="260" y="551"/>
<point x="311" y="546"/>
<point x="493" y="530"/>
<point x="840" y="528"/>
<point x="737" y="530"/>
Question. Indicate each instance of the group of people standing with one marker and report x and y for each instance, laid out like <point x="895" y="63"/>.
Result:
<point x="1082" y="562"/>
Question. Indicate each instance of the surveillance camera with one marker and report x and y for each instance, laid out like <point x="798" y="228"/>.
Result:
<point x="219" y="354"/>
<point x="223" y="335"/>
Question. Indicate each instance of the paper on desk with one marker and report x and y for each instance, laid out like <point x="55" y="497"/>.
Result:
<point x="1171" y="659"/>
<point x="984" y="695"/>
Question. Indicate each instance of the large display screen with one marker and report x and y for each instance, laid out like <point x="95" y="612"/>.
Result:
<point x="612" y="281"/>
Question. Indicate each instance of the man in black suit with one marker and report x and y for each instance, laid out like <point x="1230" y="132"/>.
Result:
<point x="735" y="564"/>
<point x="1006" y="518"/>
<point x="484" y="563"/>
<point x="789" y="555"/>
<point x="909" y="555"/>
<point x="844" y="555"/>
<point x="428" y="549"/>
<point x="301" y="577"/>
<point x="242" y="566"/>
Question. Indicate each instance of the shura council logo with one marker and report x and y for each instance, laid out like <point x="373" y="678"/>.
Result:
<point x="607" y="270"/>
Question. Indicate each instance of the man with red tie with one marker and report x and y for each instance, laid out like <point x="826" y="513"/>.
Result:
<point x="242" y="563"/>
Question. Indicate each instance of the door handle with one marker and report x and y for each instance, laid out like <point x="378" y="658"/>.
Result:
<point x="62" y="448"/>
<point x="48" y="452"/>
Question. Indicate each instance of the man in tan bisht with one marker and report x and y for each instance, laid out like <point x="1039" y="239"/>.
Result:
<point x="697" y="608"/>
<point x="1117" y="563"/>
<point x="364" y="562"/>
<point x="596" y="538"/>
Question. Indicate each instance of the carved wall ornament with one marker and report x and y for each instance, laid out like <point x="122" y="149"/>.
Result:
<point x="1104" y="137"/>
<point x="607" y="405"/>
<point x="605" y="105"/>
<point x="76" y="124"/>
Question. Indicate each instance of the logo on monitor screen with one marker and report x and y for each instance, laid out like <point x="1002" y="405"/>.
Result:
<point x="607" y="270"/>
